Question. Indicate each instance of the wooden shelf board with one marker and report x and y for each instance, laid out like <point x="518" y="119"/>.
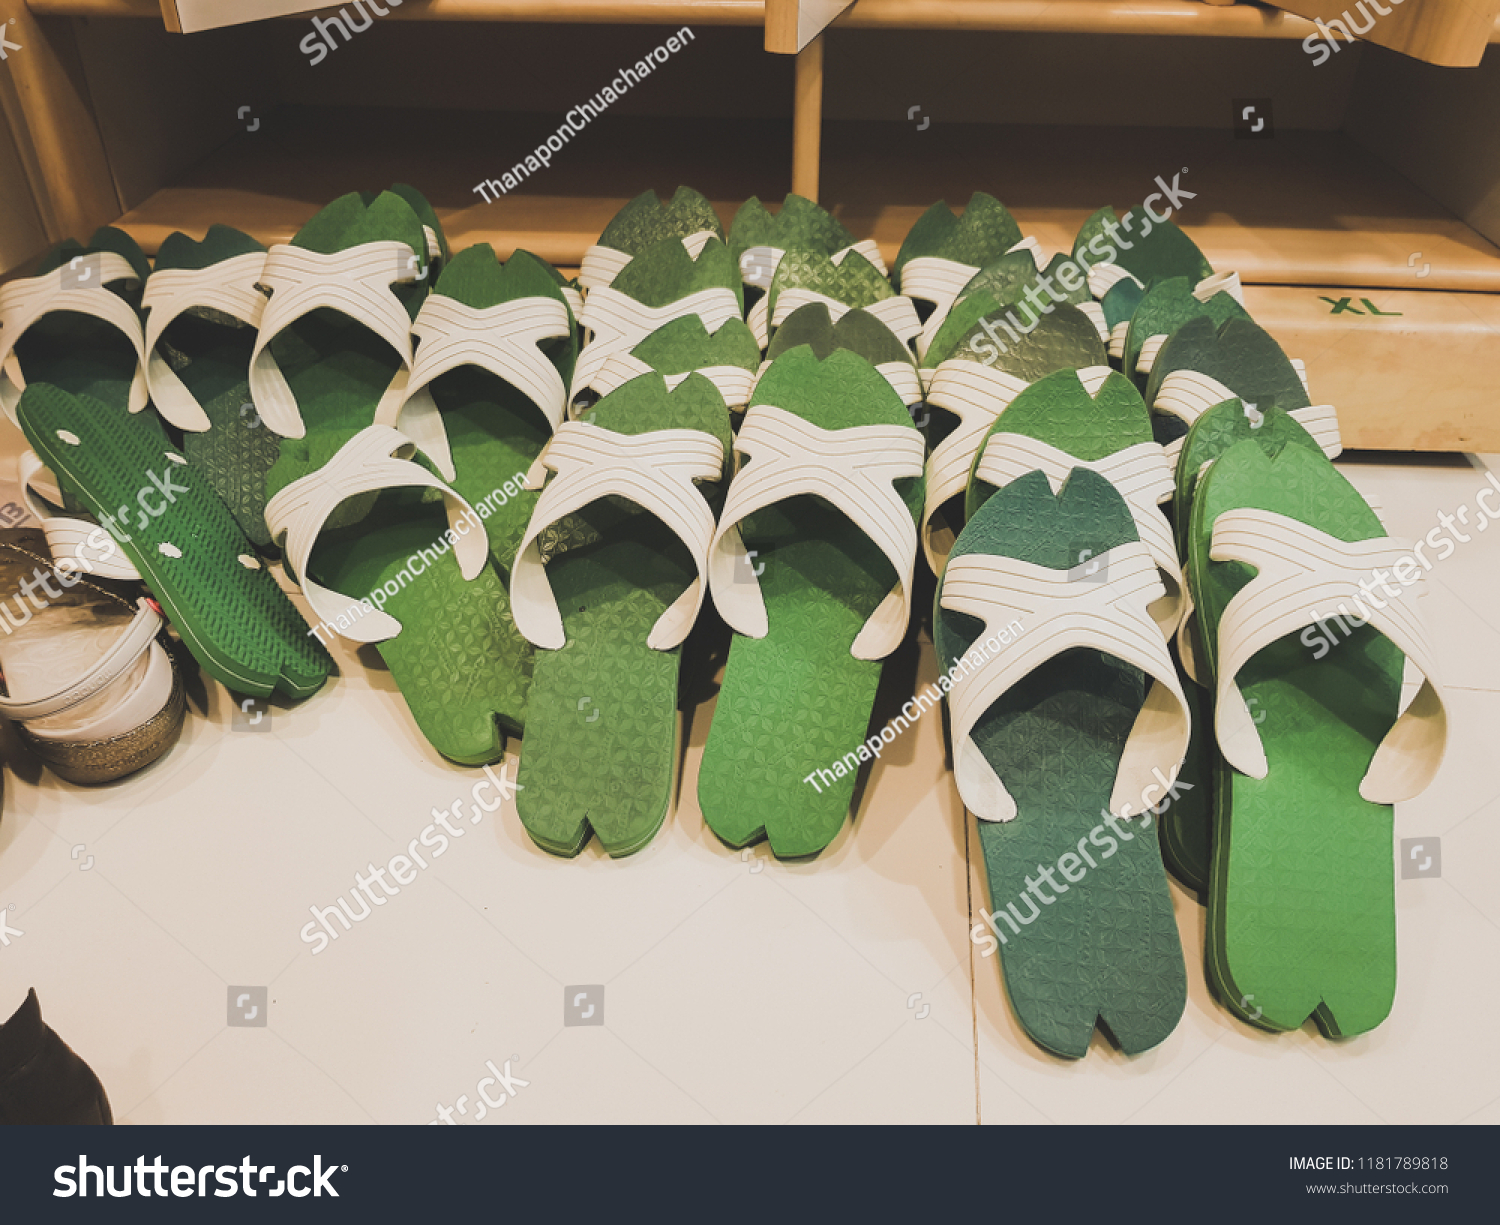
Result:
<point x="1305" y="208"/>
<point x="1415" y="378"/>
<point x="592" y="12"/>
<point x="1169" y="17"/>
<point x="270" y="187"/>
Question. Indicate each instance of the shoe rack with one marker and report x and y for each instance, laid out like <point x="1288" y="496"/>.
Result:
<point x="1365" y="227"/>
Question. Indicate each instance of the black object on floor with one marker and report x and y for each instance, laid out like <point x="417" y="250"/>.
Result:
<point x="41" y="1079"/>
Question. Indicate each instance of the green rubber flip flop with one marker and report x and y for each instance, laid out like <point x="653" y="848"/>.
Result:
<point x="1204" y="363"/>
<point x="334" y="349"/>
<point x="75" y="331"/>
<point x="846" y="283"/>
<point x="387" y="578"/>
<point x="812" y="566"/>
<point x="760" y="238"/>
<point x="640" y="225"/>
<point x="857" y="331"/>
<point x="1187" y="828"/>
<point x="609" y="579"/>
<point x="727" y="358"/>
<point x="1161" y="310"/>
<point x="1139" y="246"/>
<point x="203" y="314"/>
<point x="1301" y="916"/>
<point x="664" y="283"/>
<point x="496" y="350"/>
<point x="180" y="538"/>
<point x="1047" y="665"/>
<point x="995" y="359"/>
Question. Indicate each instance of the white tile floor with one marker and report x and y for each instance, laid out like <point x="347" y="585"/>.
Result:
<point x="736" y="989"/>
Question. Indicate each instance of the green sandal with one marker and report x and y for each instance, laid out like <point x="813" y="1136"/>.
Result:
<point x="972" y="386"/>
<point x="826" y="495"/>
<point x="74" y="333"/>
<point x="1067" y="723"/>
<point x="333" y="354"/>
<point x="386" y="579"/>
<point x="1317" y="749"/>
<point x="640" y="225"/>
<point x="203" y="312"/>
<point x="665" y="282"/>
<point x="608" y="582"/>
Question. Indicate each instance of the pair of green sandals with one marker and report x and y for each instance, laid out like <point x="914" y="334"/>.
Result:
<point x="1082" y="748"/>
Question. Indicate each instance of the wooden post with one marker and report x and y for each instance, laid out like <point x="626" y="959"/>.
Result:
<point x="807" y="119"/>
<point x="52" y="118"/>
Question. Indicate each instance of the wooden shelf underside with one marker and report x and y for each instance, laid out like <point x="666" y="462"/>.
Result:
<point x="1306" y="208"/>
<point x="1187" y="18"/>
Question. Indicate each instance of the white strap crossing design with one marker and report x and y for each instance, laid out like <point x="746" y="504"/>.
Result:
<point x="1188" y="394"/>
<point x="502" y="339"/>
<point x="374" y="459"/>
<point x="853" y="469"/>
<point x="1141" y="475"/>
<point x="69" y="540"/>
<point x="656" y="471"/>
<point x="228" y="286"/>
<point x="1303" y="575"/>
<point x="356" y="282"/>
<point x="66" y="288"/>
<point x="113" y="664"/>
<point x="1060" y="610"/>
<point x="734" y="383"/>
<point x="601" y="265"/>
<point x="976" y="394"/>
<point x="869" y="249"/>
<point x="573" y="298"/>
<point x="1095" y="315"/>
<point x="619" y="322"/>
<point x="1220" y="282"/>
<point x="1104" y="277"/>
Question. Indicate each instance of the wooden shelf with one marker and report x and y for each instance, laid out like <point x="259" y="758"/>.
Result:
<point x="1171" y="17"/>
<point x="592" y="12"/>
<point x="1306" y="208"/>
<point x="268" y="183"/>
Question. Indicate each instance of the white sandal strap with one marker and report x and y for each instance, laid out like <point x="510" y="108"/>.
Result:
<point x="976" y="394"/>
<point x="1139" y="472"/>
<point x="1220" y="282"/>
<point x="853" y="470"/>
<point x="71" y="542"/>
<point x="80" y="287"/>
<point x="1303" y="575"/>
<point x="1059" y="610"/>
<point x="656" y="471"/>
<point x="1104" y="277"/>
<point x="114" y="663"/>
<point x="502" y="339"/>
<point x="619" y="322"/>
<point x="228" y="286"/>
<point x="1188" y="394"/>
<point x="734" y="383"/>
<point x="899" y="313"/>
<point x="374" y="459"/>
<point x="1095" y="315"/>
<point x="356" y="282"/>
<point x="601" y="265"/>
<point x="939" y="281"/>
